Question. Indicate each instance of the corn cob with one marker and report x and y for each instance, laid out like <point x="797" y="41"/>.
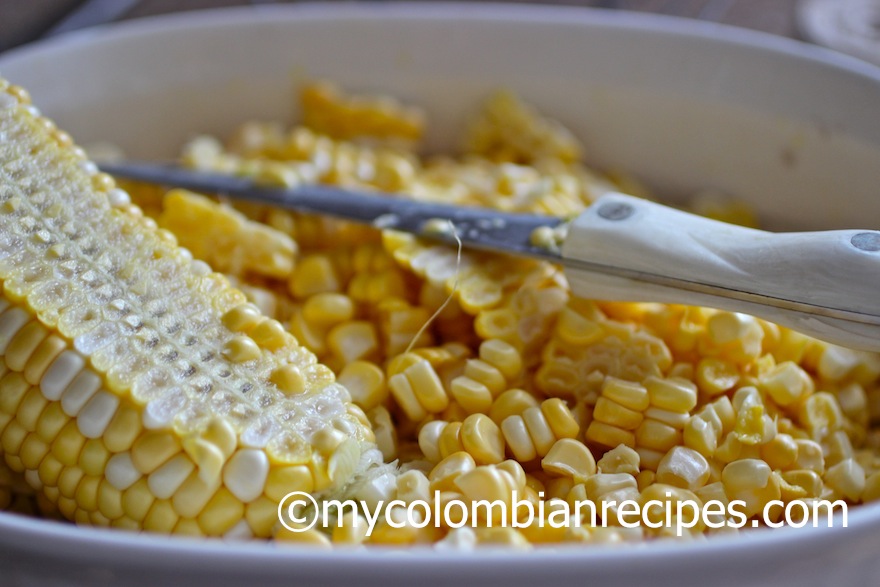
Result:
<point x="138" y="389"/>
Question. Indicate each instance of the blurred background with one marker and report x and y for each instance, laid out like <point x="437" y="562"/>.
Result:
<point x="852" y="26"/>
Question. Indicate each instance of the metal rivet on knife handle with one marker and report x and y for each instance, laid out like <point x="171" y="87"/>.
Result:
<point x="867" y="241"/>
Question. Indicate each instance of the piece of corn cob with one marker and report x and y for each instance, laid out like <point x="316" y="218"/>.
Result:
<point x="138" y="389"/>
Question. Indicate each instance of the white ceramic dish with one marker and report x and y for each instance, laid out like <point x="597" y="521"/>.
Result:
<point x="790" y="128"/>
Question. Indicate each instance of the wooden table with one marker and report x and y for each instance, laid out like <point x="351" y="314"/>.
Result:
<point x="24" y="20"/>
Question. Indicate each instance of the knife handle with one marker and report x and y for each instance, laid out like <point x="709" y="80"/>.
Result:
<point x="825" y="284"/>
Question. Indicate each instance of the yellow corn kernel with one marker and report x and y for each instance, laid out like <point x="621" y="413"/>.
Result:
<point x="608" y="435"/>
<point x="153" y="449"/>
<point x="241" y="349"/>
<point x="683" y="467"/>
<point x="601" y="485"/>
<point x="675" y="395"/>
<point x="242" y="318"/>
<point x="443" y="475"/>
<point x="626" y="393"/>
<point x="714" y="376"/>
<point x="518" y="439"/>
<point x="620" y="459"/>
<point x="847" y="478"/>
<point x="350" y="529"/>
<point x="429" y="440"/>
<point x="123" y="430"/>
<point x="781" y="452"/>
<point x="539" y="430"/>
<point x="308" y="335"/>
<point x="289" y="379"/>
<point x="109" y="501"/>
<point x="405" y="396"/>
<point x="270" y="335"/>
<point x="224" y="237"/>
<point x="328" y="309"/>
<point x="482" y="439"/>
<point x="23" y="344"/>
<point x="571" y="458"/>
<point x="723" y="410"/>
<point x="384" y="431"/>
<point x="610" y="412"/>
<point x="31" y="407"/>
<point x="94" y="457"/>
<point x="872" y="488"/>
<point x="50" y="469"/>
<point x="32" y="451"/>
<point x="750" y="422"/>
<point x="838" y="447"/>
<point x="645" y="479"/>
<point x="487" y="374"/>
<point x="14" y="389"/>
<point x="577" y="330"/>
<point x="282" y="480"/>
<point x="413" y="485"/>
<point x="353" y="341"/>
<point x="42" y="357"/>
<point x="752" y="481"/>
<point x="674" y="498"/>
<point x="313" y="275"/>
<point x="786" y="383"/>
<point x="207" y="457"/>
<point x="836" y="363"/>
<point x="310" y="538"/>
<point x="402" y="531"/>
<point x="484" y="483"/>
<point x="427" y="386"/>
<point x="560" y="418"/>
<point x="820" y="415"/>
<point x="734" y="335"/>
<point x="677" y="420"/>
<point x="221" y="512"/>
<point x="471" y="395"/>
<point x="512" y="402"/>
<point x="658" y="436"/>
<point x="809" y="481"/>
<point x="161" y="518"/>
<point x="649" y="458"/>
<point x="515" y="474"/>
<point x="137" y="500"/>
<point x="65" y="448"/>
<point x="503" y="356"/>
<point x="449" y="440"/>
<point x="365" y="382"/>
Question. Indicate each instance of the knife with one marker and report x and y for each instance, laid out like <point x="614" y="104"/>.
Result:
<point x="621" y="248"/>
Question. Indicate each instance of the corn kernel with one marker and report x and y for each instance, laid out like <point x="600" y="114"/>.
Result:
<point x="715" y="376"/>
<point x="620" y="459"/>
<point x="570" y="457"/>
<point x="847" y="478"/>
<point x="683" y="467"/>
<point x="608" y="435"/>
<point x="675" y="395"/>
<point x="610" y="412"/>
<point x="482" y="439"/>
<point x="365" y="382"/>
<point x="627" y="394"/>
<point x="786" y="384"/>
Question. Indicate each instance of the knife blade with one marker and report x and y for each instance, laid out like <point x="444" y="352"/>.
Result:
<point x="622" y="248"/>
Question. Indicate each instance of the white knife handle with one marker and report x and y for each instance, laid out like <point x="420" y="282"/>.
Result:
<point x="826" y="284"/>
